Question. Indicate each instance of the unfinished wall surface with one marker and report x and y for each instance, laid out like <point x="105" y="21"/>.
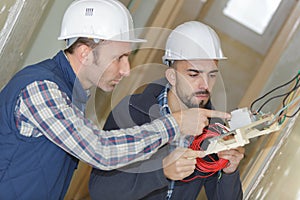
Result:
<point x="279" y="179"/>
<point x="287" y="67"/>
<point x="243" y="61"/>
<point x="238" y="70"/>
<point x="44" y="43"/>
<point x="18" y="20"/>
<point x="272" y="173"/>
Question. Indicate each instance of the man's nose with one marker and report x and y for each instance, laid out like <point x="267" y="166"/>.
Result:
<point x="203" y="81"/>
<point x="125" y="67"/>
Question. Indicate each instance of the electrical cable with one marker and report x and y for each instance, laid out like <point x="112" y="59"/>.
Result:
<point x="274" y="97"/>
<point x="287" y="101"/>
<point x="284" y="108"/>
<point x="288" y="98"/>
<point x="291" y="95"/>
<point x="179" y="143"/>
<point x="294" y="114"/>
<point x="210" y="165"/>
<point x="271" y="91"/>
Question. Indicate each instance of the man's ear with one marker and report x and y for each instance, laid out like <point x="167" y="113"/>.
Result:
<point x="171" y="76"/>
<point x="83" y="53"/>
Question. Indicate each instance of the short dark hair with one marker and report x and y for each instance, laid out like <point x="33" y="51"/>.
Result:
<point x="82" y="40"/>
<point x="172" y="64"/>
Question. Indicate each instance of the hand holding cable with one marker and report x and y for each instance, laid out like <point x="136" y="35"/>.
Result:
<point x="192" y="121"/>
<point x="234" y="156"/>
<point x="180" y="163"/>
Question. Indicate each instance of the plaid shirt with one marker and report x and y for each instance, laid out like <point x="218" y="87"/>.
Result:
<point x="163" y="101"/>
<point x="183" y="140"/>
<point x="43" y="109"/>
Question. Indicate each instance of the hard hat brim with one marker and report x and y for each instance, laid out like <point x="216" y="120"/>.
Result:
<point x="135" y="40"/>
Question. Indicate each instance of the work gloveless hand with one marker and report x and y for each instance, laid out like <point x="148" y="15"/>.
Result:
<point x="180" y="163"/>
<point x="192" y="121"/>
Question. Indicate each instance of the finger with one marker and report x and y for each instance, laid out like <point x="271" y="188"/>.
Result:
<point x="217" y="114"/>
<point x="183" y="162"/>
<point x="235" y="152"/>
<point x="232" y="155"/>
<point x="187" y="169"/>
<point x="189" y="163"/>
<point x="206" y="122"/>
<point x="191" y="154"/>
<point x="227" y="154"/>
<point x="241" y="150"/>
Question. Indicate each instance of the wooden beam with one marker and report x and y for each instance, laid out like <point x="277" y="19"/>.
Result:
<point x="164" y="18"/>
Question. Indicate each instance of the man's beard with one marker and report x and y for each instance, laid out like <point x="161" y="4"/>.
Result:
<point x="202" y="104"/>
<point x="187" y="100"/>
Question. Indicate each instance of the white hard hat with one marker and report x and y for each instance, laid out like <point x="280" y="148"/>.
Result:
<point x="193" y="40"/>
<point x="98" y="19"/>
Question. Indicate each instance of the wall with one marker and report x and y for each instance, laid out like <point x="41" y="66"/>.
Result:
<point x="238" y="70"/>
<point x="18" y="21"/>
<point x="280" y="177"/>
<point x="272" y="160"/>
<point x="44" y="43"/>
<point x="243" y="61"/>
<point x="287" y="67"/>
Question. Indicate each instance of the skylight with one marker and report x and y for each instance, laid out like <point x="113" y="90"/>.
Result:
<point x="254" y="14"/>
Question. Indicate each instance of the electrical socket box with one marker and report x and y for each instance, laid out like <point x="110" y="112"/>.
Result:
<point x="240" y="118"/>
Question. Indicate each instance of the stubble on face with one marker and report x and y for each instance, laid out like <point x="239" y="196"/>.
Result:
<point x="189" y="92"/>
<point x="108" y="65"/>
<point x="187" y="100"/>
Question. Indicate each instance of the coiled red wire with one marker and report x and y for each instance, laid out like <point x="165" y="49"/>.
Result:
<point x="209" y="166"/>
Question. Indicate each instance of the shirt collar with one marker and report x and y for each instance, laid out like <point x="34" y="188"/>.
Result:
<point x="163" y="100"/>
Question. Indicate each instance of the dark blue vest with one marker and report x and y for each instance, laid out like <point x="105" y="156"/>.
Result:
<point x="33" y="168"/>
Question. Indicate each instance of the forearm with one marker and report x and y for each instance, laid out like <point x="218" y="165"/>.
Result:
<point x="65" y="125"/>
<point x="125" y="146"/>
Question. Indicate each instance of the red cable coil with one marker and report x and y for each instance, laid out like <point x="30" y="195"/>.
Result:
<point x="209" y="167"/>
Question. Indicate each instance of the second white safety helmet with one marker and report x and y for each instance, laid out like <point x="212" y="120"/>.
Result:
<point x="193" y="40"/>
<point x="98" y="19"/>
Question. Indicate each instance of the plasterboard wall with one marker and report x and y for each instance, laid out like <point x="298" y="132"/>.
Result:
<point x="18" y="21"/>
<point x="44" y="44"/>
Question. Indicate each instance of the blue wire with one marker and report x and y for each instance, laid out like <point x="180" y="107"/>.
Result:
<point x="179" y="143"/>
<point x="170" y="190"/>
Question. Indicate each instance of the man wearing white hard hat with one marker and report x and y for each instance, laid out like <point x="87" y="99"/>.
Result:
<point x="43" y="131"/>
<point x="192" y="53"/>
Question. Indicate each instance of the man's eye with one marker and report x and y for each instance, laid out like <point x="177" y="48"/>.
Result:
<point x="193" y="75"/>
<point x="212" y="75"/>
<point x="121" y="57"/>
<point x="118" y="59"/>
